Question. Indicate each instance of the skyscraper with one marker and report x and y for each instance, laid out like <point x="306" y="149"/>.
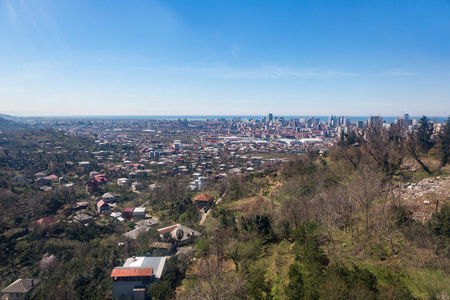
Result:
<point x="373" y="120"/>
<point x="332" y="121"/>
<point x="270" y="117"/>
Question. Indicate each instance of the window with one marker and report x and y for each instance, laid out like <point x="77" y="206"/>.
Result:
<point x="146" y="279"/>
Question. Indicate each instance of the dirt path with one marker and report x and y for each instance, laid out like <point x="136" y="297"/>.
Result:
<point x="204" y="215"/>
<point x="202" y="220"/>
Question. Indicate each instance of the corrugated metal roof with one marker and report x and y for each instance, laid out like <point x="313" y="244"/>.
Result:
<point x="128" y="272"/>
<point x="157" y="263"/>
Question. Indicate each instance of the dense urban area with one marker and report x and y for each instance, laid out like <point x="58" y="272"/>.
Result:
<point x="224" y="208"/>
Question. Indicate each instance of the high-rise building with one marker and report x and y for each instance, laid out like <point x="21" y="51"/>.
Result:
<point x="344" y="121"/>
<point x="373" y="120"/>
<point x="270" y="117"/>
<point x="332" y="121"/>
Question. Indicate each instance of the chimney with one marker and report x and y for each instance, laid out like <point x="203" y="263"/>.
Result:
<point x="32" y="282"/>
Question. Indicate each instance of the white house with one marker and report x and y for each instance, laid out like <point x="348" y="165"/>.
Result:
<point x="139" y="213"/>
<point x="84" y="164"/>
<point x="109" y="197"/>
<point x="122" y="181"/>
<point x="19" y="288"/>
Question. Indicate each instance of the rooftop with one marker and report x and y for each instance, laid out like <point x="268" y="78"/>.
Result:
<point x="101" y="203"/>
<point x="133" y="234"/>
<point x="139" y="209"/>
<point x="173" y="231"/>
<point x="21" y="286"/>
<point x="126" y="272"/>
<point x="203" y="198"/>
<point x="156" y="263"/>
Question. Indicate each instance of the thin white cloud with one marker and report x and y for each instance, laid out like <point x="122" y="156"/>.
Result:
<point x="32" y="17"/>
<point x="11" y="13"/>
<point x="398" y="72"/>
<point x="264" y="72"/>
<point x="235" y="49"/>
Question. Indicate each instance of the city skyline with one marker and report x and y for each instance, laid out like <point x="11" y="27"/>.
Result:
<point x="224" y="58"/>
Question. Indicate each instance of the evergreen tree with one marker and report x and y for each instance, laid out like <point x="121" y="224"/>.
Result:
<point x="294" y="290"/>
<point x="424" y="132"/>
<point x="444" y="144"/>
<point x="439" y="223"/>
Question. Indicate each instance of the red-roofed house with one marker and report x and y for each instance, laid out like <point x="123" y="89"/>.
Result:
<point x="139" y="166"/>
<point x="100" y="179"/>
<point x="103" y="207"/>
<point x="54" y="178"/>
<point x="203" y="200"/>
<point x="128" y="212"/>
<point x="43" y="223"/>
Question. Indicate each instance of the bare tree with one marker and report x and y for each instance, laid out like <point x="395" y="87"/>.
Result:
<point x="209" y="286"/>
<point x="364" y="188"/>
<point x="328" y="215"/>
<point x="383" y="148"/>
<point x="48" y="262"/>
<point x="212" y="280"/>
<point x="233" y="251"/>
<point x="341" y="203"/>
<point x="412" y="145"/>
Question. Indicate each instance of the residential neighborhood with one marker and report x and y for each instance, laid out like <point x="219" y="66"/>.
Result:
<point x="147" y="191"/>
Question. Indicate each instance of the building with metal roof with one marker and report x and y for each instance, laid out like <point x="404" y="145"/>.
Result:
<point x="137" y="273"/>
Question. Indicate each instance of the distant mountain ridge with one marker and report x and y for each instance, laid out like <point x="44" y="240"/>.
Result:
<point x="7" y="123"/>
<point x="9" y="117"/>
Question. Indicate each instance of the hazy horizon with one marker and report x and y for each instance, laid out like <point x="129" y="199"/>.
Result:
<point x="388" y="119"/>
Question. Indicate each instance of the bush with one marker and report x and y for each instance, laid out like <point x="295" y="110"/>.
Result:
<point x="439" y="223"/>
<point x="160" y="290"/>
<point x="294" y="289"/>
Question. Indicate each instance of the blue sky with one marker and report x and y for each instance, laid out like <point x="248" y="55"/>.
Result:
<point x="192" y="57"/>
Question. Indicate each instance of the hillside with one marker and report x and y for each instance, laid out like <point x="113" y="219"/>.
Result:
<point x="8" y="124"/>
<point x="328" y="231"/>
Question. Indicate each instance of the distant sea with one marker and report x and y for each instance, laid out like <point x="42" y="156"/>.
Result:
<point x="353" y="119"/>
